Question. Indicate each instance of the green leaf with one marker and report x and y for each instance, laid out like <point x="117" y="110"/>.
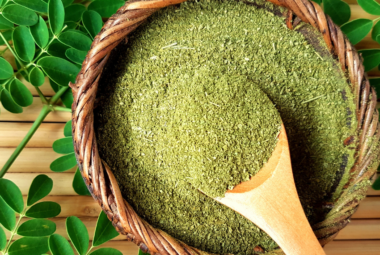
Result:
<point x="77" y="56"/>
<point x="56" y="13"/>
<point x="3" y="239"/>
<point x="20" y="93"/>
<point x="40" y="33"/>
<point x="357" y="29"/>
<point x="74" y="12"/>
<point x="371" y="58"/>
<point x="142" y="253"/>
<point x="6" y="70"/>
<point x="45" y="209"/>
<point x="63" y="163"/>
<point x="35" y="5"/>
<point x="79" y="186"/>
<point x="36" y="77"/>
<point x="24" y="43"/>
<point x="106" y="8"/>
<point x="93" y="22"/>
<point x="67" y="2"/>
<point x="370" y="6"/>
<point x="375" y="82"/>
<point x="106" y="251"/>
<point x="67" y="129"/>
<point x="58" y="49"/>
<point x="71" y="25"/>
<point x="36" y="227"/>
<point x="7" y="35"/>
<point x="67" y="98"/>
<point x="8" y="102"/>
<point x="76" y="40"/>
<point x="64" y="145"/>
<point x="20" y="15"/>
<point x="7" y="216"/>
<point x="29" y="245"/>
<point x="376" y="184"/>
<point x="5" y="24"/>
<point x="40" y="188"/>
<point x="78" y="234"/>
<point x="58" y="245"/>
<point x="12" y="195"/>
<point x="59" y="70"/>
<point x="317" y="1"/>
<point x="104" y="230"/>
<point x="338" y="10"/>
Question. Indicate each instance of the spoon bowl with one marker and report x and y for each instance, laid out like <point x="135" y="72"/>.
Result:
<point x="270" y="200"/>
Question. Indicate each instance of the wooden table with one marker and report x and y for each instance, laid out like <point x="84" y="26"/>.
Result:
<point x="360" y="237"/>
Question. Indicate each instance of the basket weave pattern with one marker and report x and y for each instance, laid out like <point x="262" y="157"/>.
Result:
<point x="102" y="183"/>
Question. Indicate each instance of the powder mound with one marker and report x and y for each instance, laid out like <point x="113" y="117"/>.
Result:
<point x="214" y="131"/>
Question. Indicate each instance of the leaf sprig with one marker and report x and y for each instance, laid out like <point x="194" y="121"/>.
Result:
<point x="37" y="233"/>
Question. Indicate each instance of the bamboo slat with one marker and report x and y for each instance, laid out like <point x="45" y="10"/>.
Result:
<point x="349" y="248"/>
<point x="12" y="133"/>
<point x="31" y="113"/>
<point x="62" y="182"/>
<point x="41" y="158"/>
<point x="369" y="208"/>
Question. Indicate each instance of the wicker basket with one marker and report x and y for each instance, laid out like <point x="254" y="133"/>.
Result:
<point x="102" y="183"/>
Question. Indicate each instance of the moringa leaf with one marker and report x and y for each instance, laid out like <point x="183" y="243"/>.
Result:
<point x="371" y="58"/>
<point x="40" y="188"/>
<point x="3" y="239"/>
<point x="36" y="77"/>
<point x="67" y="2"/>
<point x="20" y="93"/>
<point x="78" y="234"/>
<point x="4" y="23"/>
<point x="40" y="33"/>
<point x="24" y="43"/>
<point x="7" y="216"/>
<point x="106" y="8"/>
<point x="338" y="10"/>
<point x="58" y="49"/>
<point x="370" y="6"/>
<point x="59" y="70"/>
<point x="35" y="5"/>
<point x="106" y="251"/>
<point x="67" y="98"/>
<point x="12" y="195"/>
<point x="56" y="13"/>
<point x="43" y="210"/>
<point x="6" y="70"/>
<point x="20" y="15"/>
<point x="357" y="29"/>
<point x="67" y="129"/>
<point x="77" y="56"/>
<point x="142" y="253"/>
<point x="7" y="35"/>
<point x="317" y="1"/>
<point x="63" y="163"/>
<point x="36" y="227"/>
<point x="104" y="230"/>
<point x="58" y="245"/>
<point x="29" y="245"/>
<point x="79" y="186"/>
<point x="64" y="145"/>
<point x="93" y="22"/>
<point x="8" y="102"/>
<point x="74" y="12"/>
<point x="76" y="40"/>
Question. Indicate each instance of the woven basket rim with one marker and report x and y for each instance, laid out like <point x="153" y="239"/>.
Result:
<point x="102" y="183"/>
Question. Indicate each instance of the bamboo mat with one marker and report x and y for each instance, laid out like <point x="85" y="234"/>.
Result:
<point x="360" y="237"/>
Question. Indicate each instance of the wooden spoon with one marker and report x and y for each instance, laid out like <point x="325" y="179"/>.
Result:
<point x="270" y="200"/>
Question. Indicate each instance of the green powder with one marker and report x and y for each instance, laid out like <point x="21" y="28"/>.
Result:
<point x="187" y="78"/>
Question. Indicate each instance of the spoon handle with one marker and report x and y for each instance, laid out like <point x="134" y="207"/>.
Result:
<point x="274" y="206"/>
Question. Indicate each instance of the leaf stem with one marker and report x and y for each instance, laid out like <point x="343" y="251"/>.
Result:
<point x="55" y="98"/>
<point x="3" y="51"/>
<point x="376" y="19"/>
<point x="14" y="231"/>
<point x="46" y="109"/>
<point x="61" y="109"/>
<point x="89" y="251"/>
<point x="10" y="49"/>
<point x="43" y="98"/>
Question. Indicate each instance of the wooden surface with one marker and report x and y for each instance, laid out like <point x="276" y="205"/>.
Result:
<point x="360" y="237"/>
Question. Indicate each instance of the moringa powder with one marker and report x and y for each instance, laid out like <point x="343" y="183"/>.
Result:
<point x="181" y="108"/>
